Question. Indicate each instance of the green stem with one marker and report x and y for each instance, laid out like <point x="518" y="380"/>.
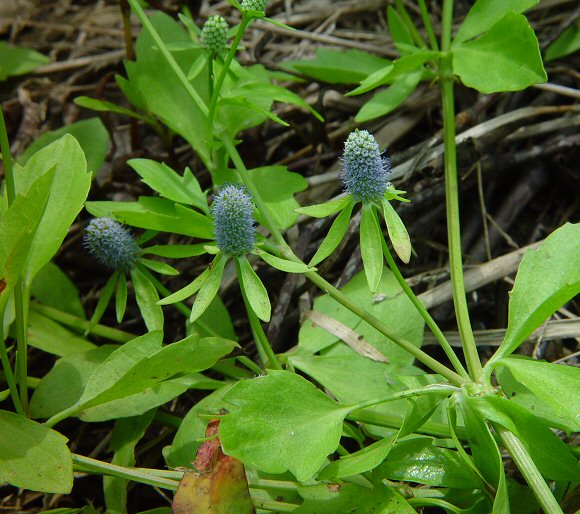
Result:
<point x="529" y="470"/>
<point x="428" y="25"/>
<point x="424" y="313"/>
<point x="21" y="303"/>
<point x="9" y="375"/>
<point x="419" y="41"/>
<point x="435" y="389"/>
<point x="226" y="66"/>
<point x="452" y="200"/>
<point x="7" y="159"/>
<point x="259" y="336"/>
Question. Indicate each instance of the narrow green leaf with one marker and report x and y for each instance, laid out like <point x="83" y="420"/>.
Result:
<point x="547" y="278"/>
<point x="197" y="67"/>
<point x="253" y="289"/>
<point x="104" y="106"/>
<point x="557" y="385"/>
<point x="54" y="288"/>
<point x="159" y="267"/>
<point x="389" y="99"/>
<point x="34" y="457"/>
<point x="16" y="60"/>
<point x="175" y="251"/>
<point x="359" y="462"/>
<point x="371" y="247"/>
<point x="484" y="14"/>
<point x="147" y="298"/>
<point x="567" y="43"/>
<point x="398" y="30"/>
<point x="374" y="80"/>
<point x="323" y="210"/>
<point x="187" y="291"/>
<point x="397" y="232"/>
<point x="121" y="298"/>
<point x="303" y="425"/>
<point x="335" y="234"/>
<point x="283" y="264"/>
<point x="507" y="58"/>
<point x="104" y="299"/>
<point x="209" y="288"/>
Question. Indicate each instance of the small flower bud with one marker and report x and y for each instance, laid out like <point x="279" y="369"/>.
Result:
<point x="215" y="34"/>
<point x="111" y="244"/>
<point x="254" y="5"/>
<point x="233" y="216"/>
<point x="365" y="170"/>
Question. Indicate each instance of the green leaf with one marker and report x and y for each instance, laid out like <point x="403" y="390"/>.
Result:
<point x="338" y="67"/>
<point x="556" y="385"/>
<point x="104" y="106"/>
<point x="34" y="457"/>
<point x="156" y="214"/>
<point x="484" y="14"/>
<point x="323" y="210"/>
<point x="16" y="60"/>
<point x="54" y="288"/>
<point x="68" y="192"/>
<point x="359" y="462"/>
<point x="283" y="264"/>
<point x="209" y="288"/>
<point x="417" y="460"/>
<point x="187" y="291"/>
<point x="397" y="232"/>
<point x="159" y="267"/>
<point x="567" y="43"/>
<point x="91" y="135"/>
<point x="398" y="30"/>
<point x="547" y="278"/>
<point x="507" y="58"/>
<point x="253" y="289"/>
<point x="281" y="422"/>
<point x="549" y="452"/>
<point x="104" y="299"/>
<point x="169" y="184"/>
<point x="335" y="234"/>
<point x="175" y="251"/>
<point x="147" y="298"/>
<point x="121" y="298"/>
<point x="389" y="99"/>
<point x="371" y="247"/>
<point x="197" y="67"/>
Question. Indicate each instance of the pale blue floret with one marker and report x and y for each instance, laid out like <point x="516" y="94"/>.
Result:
<point x="365" y="170"/>
<point x="111" y="244"/>
<point x="233" y="214"/>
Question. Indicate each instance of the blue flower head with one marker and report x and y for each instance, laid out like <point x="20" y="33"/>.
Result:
<point x="365" y="170"/>
<point x="233" y="215"/>
<point x="214" y="34"/>
<point x="111" y="244"/>
<point x="254" y="5"/>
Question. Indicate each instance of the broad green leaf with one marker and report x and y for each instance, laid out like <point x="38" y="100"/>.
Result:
<point x="359" y="462"/>
<point x="397" y="232"/>
<point x="209" y="288"/>
<point x="121" y="298"/>
<point x="159" y="267"/>
<point x="54" y="288"/>
<point x="389" y="99"/>
<point x="418" y="460"/>
<point x="68" y="192"/>
<point x="390" y="305"/>
<point x="567" y="43"/>
<point x="34" y="457"/>
<point x="125" y="436"/>
<point x="281" y="422"/>
<point x="16" y="60"/>
<point x="284" y="264"/>
<point x="398" y="30"/>
<point x="371" y="247"/>
<point x="253" y="289"/>
<point x="549" y="452"/>
<point x="169" y="184"/>
<point x="104" y="106"/>
<point x="547" y="278"/>
<point x="91" y="135"/>
<point x="335" y="234"/>
<point x="187" y="291"/>
<point x="351" y="498"/>
<point x="507" y="58"/>
<point x="338" y="67"/>
<point x="47" y="335"/>
<point x="175" y="251"/>
<point x="147" y="298"/>
<point x="156" y="214"/>
<point x="323" y="210"/>
<point x="484" y="14"/>
<point x="556" y="385"/>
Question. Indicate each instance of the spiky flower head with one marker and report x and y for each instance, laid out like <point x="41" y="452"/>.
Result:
<point x="215" y="34"/>
<point x="365" y="170"/>
<point x="111" y="244"/>
<point x="254" y="5"/>
<point x="233" y="217"/>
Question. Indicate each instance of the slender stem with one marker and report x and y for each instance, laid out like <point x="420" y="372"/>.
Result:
<point x="226" y="66"/>
<point x="126" y="14"/>
<point x="7" y="159"/>
<point x="10" y="376"/>
<point x="529" y="470"/>
<point x="436" y="389"/>
<point x="424" y="313"/>
<point x="428" y="25"/>
<point x="419" y="41"/>
<point x="259" y="336"/>
<point x="21" y="303"/>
